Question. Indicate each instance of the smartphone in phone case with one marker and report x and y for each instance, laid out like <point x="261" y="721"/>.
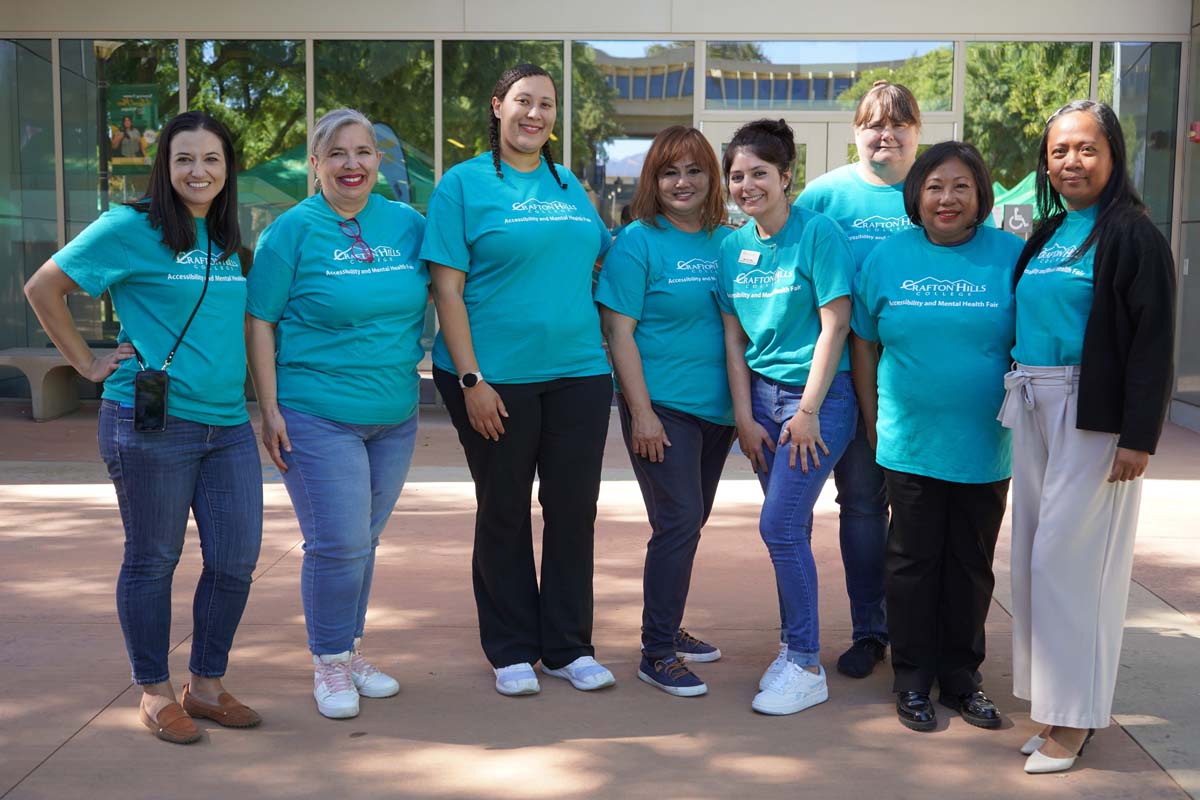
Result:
<point x="150" y="401"/>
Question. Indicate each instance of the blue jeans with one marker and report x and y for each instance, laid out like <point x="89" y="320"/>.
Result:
<point x="344" y="480"/>
<point x="863" y="530"/>
<point x="679" y="492"/>
<point x="787" y="513"/>
<point x="215" y="472"/>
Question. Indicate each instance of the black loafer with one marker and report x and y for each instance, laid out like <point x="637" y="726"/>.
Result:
<point x="915" y="711"/>
<point x="975" y="708"/>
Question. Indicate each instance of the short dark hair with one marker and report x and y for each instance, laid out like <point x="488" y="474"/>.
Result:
<point x="772" y="140"/>
<point x="933" y="158"/>
<point x="167" y="211"/>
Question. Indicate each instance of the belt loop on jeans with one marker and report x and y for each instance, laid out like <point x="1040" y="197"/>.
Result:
<point x="1071" y="376"/>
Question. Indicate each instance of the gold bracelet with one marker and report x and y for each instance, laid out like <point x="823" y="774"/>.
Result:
<point x="803" y="410"/>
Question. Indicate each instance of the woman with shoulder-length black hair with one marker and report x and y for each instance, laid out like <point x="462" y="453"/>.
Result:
<point x="938" y="298"/>
<point x="511" y="242"/>
<point x="173" y="425"/>
<point x="1095" y="296"/>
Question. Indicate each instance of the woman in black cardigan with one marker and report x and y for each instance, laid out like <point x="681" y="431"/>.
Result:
<point x="1095" y="298"/>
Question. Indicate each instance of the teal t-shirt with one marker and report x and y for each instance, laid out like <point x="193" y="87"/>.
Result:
<point x="348" y="331"/>
<point x="776" y="287"/>
<point x="1054" y="297"/>
<point x="868" y="213"/>
<point x="528" y="247"/>
<point x="664" y="278"/>
<point x="945" y="317"/>
<point x="153" y="291"/>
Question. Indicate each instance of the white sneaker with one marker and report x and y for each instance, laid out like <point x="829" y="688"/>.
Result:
<point x="775" y="668"/>
<point x="794" y="689"/>
<point x="584" y="673"/>
<point x="517" y="679"/>
<point x="333" y="686"/>
<point x="368" y="680"/>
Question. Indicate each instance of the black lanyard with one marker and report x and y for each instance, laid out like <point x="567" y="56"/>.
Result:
<point x="203" y="291"/>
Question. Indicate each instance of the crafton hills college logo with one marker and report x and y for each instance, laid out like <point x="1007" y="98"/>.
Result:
<point x="696" y="265"/>
<point x="942" y="286"/>
<point x="535" y="206"/>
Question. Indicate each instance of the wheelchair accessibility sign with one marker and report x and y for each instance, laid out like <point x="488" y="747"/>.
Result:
<point x="1018" y="219"/>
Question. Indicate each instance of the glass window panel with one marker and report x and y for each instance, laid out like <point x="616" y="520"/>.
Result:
<point x="471" y="69"/>
<point x="623" y="87"/>
<point x="256" y="88"/>
<point x="392" y="83"/>
<point x="116" y="96"/>
<point x="1140" y="80"/>
<point x="1011" y="88"/>
<point x="611" y="132"/>
<point x="27" y="195"/>
<point x="838" y="73"/>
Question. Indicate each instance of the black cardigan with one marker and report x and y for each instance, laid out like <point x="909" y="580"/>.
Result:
<point x="1126" y="372"/>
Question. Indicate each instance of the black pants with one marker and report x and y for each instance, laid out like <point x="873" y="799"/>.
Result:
<point x="679" y="492"/>
<point x="938" y="578"/>
<point x="557" y="429"/>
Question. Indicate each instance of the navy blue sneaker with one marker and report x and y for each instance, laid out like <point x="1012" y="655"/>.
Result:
<point x="689" y="648"/>
<point x="672" y="676"/>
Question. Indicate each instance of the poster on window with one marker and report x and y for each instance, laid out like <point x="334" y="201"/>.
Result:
<point x="133" y="127"/>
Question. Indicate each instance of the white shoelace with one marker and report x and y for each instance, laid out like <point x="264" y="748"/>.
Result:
<point x="336" y="677"/>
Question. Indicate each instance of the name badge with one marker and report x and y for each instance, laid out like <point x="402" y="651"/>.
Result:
<point x="749" y="257"/>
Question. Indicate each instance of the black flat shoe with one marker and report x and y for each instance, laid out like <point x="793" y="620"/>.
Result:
<point x="860" y="660"/>
<point x="915" y="711"/>
<point x="975" y="708"/>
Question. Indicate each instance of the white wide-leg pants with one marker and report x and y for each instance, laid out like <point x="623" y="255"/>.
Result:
<point x="1072" y="551"/>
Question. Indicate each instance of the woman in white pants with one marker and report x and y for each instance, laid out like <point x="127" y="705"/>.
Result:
<point x="1086" y="400"/>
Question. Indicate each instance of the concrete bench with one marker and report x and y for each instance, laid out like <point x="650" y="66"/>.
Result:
<point x="53" y="382"/>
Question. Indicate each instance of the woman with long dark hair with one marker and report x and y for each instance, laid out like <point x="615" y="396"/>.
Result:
<point x="667" y="343"/>
<point x="511" y="242"/>
<point x="1095" y="296"/>
<point x="784" y="286"/>
<point x="174" y="430"/>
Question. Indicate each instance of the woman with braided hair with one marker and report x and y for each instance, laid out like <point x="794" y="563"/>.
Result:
<point x="511" y="242"/>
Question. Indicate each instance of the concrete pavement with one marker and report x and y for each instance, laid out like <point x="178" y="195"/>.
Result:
<point x="68" y="725"/>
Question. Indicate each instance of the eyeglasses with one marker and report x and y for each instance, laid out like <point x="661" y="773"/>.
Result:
<point x="360" y="249"/>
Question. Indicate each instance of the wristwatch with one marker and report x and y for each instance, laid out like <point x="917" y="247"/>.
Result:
<point x="470" y="379"/>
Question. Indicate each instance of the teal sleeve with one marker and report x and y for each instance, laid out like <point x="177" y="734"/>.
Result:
<point x="832" y="262"/>
<point x="445" y="239"/>
<point x="97" y="258"/>
<point x="270" y="280"/>
<point x="862" y="320"/>
<point x="623" y="279"/>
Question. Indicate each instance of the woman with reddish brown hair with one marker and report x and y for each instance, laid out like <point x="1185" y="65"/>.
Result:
<point x="666" y="339"/>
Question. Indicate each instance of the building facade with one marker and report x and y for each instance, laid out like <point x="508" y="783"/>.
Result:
<point x="84" y="88"/>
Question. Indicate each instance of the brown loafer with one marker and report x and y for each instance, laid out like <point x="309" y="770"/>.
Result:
<point x="228" y="711"/>
<point x="171" y="725"/>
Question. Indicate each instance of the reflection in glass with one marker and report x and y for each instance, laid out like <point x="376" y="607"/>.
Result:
<point x="467" y="82"/>
<point x="256" y="88"/>
<point x="623" y="93"/>
<point x="1012" y="87"/>
<point x="116" y="96"/>
<point x="392" y="83"/>
<point x="1140" y="80"/>
<point x="27" y="213"/>
<point x="824" y="75"/>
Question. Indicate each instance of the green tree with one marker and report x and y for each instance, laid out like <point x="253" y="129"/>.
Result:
<point x="1012" y="87"/>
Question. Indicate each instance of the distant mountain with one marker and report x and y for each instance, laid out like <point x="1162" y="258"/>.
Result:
<point x="628" y="167"/>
